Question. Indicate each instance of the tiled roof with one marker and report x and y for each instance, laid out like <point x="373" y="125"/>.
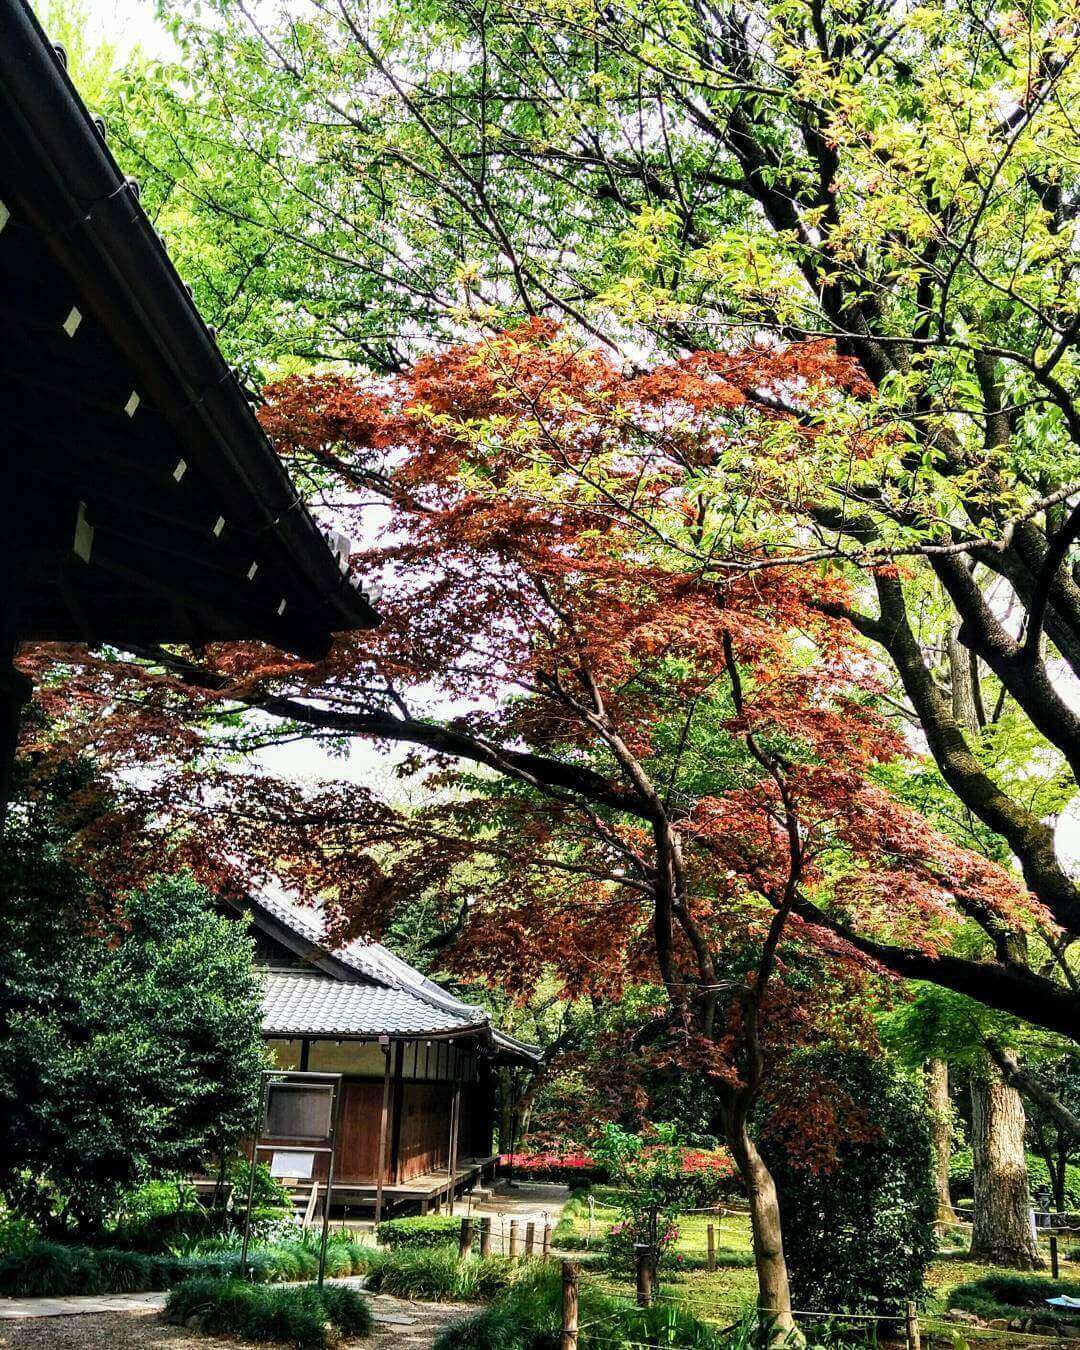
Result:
<point x="380" y="995"/>
<point x="369" y="959"/>
<point x="299" y="1004"/>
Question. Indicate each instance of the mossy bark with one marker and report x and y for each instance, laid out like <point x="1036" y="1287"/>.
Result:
<point x="937" y="1090"/>
<point x="1003" y="1231"/>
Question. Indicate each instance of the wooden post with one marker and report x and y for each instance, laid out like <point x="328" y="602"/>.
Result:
<point x="485" y="1237"/>
<point x="711" y="1236"/>
<point x="914" y="1340"/>
<point x="515" y="1240"/>
<point x="545" y="1242"/>
<point x="643" y="1272"/>
<point x="1054" y="1254"/>
<point x="569" y="1306"/>
<point x="384" y="1125"/>
<point x="530" y="1238"/>
<point x="465" y="1240"/>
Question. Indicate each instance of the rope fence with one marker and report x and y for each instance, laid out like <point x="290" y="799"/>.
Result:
<point x="531" y="1237"/>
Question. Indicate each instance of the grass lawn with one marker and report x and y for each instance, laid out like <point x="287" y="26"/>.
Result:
<point x="720" y="1295"/>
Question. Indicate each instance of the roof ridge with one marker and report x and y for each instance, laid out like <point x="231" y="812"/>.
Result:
<point x="375" y="966"/>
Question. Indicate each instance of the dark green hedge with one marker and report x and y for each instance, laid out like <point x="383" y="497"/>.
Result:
<point x="859" y="1236"/>
<point x="302" y="1316"/>
<point x="428" y="1230"/>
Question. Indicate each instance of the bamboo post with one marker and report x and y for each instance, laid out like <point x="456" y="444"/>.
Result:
<point x="530" y="1237"/>
<point x="711" y="1236"/>
<point x="1054" y="1254"/>
<point x="914" y="1340"/>
<point x="465" y="1239"/>
<point x="643" y="1272"/>
<point x="515" y="1239"/>
<point x="485" y="1237"/>
<point x="545" y="1242"/>
<point x="569" y="1306"/>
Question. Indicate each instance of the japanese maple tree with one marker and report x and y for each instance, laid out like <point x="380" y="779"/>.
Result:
<point x="674" y="766"/>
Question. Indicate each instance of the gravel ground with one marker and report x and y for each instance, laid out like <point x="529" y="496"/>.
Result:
<point x="146" y="1331"/>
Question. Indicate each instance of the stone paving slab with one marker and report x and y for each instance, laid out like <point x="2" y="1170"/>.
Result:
<point x="14" y="1309"/>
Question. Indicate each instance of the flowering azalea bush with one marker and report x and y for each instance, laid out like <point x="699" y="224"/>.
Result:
<point x="571" y="1169"/>
<point x="707" y="1173"/>
<point x="642" y="1227"/>
<point x="652" y="1171"/>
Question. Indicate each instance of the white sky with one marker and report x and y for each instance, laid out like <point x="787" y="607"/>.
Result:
<point x="128" y="24"/>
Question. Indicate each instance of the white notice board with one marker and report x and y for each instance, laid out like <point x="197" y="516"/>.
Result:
<point x="292" y="1163"/>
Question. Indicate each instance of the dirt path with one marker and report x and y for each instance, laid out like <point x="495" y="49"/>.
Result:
<point x="399" y="1324"/>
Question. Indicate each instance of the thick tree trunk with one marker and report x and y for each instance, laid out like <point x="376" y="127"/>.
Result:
<point x="937" y="1090"/>
<point x="774" y="1291"/>
<point x="1003" y="1230"/>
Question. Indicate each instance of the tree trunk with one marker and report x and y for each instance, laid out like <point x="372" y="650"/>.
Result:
<point x="937" y="1089"/>
<point x="962" y="681"/>
<point x="1003" y="1231"/>
<point x="774" y="1291"/>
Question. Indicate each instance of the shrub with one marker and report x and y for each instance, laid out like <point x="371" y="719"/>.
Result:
<point x="130" y="1051"/>
<point x="429" y="1230"/>
<point x="644" y="1229"/>
<point x="656" y="1188"/>
<point x="42" y="1269"/>
<point x="303" y="1317"/>
<point x="16" y="1233"/>
<point x="859" y="1234"/>
<point x="572" y="1168"/>
<point x="1005" y="1295"/>
<point x="269" y="1193"/>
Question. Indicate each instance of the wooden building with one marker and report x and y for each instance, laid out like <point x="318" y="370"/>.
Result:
<point x="420" y="1083"/>
<point x="143" y="502"/>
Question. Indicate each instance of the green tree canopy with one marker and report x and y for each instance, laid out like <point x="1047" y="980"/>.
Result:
<point x="131" y="1045"/>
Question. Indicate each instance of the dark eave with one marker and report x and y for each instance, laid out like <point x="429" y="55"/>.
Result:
<point x="169" y="520"/>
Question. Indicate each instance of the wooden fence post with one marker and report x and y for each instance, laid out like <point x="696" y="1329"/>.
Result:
<point x="711" y="1235"/>
<point x="545" y="1242"/>
<point x="485" y="1237"/>
<point x="465" y="1240"/>
<point x="569" y="1306"/>
<point x="515" y="1240"/>
<point x="1054" y="1254"/>
<point x="643" y="1271"/>
<point x="530" y="1238"/>
<point x="914" y="1340"/>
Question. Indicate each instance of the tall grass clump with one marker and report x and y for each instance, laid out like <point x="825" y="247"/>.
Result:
<point x="305" y="1316"/>
<point x="43" y="1269"/>
<point x="528" y="1316"/>
<point x="436" y="1274"/>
